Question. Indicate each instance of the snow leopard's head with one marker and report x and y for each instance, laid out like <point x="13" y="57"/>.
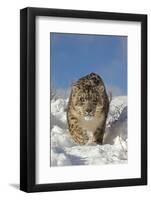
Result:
<point x="88" y="96"/>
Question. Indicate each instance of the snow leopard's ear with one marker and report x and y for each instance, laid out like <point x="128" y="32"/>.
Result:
<point x="72" y="85"/>
<point x="74" y="88"/>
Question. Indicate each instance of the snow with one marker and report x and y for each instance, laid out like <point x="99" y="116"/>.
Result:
<point x="64" y="152"/>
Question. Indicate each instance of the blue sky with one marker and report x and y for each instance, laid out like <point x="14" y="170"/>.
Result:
<point x="76" y="55"/>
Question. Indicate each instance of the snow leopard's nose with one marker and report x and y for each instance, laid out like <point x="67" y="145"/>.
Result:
<point x="88" y="111"/>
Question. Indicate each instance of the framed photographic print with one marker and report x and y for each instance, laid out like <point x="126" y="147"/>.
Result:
<point x="83" y="99"/>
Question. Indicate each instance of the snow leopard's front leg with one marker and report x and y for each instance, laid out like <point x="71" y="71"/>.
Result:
<point x="77" y="133"/>
<point x="98" y="135"/>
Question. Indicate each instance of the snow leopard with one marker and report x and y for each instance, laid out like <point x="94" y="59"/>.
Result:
<point x="87" y="110"/>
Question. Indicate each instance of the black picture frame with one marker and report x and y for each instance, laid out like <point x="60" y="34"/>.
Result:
<point x="28" y="99"/>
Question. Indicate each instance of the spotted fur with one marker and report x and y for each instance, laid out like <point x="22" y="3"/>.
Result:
<point x="87" y="110"/>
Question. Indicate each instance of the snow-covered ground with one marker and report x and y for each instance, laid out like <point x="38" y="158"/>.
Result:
<point x="114" y="150"/>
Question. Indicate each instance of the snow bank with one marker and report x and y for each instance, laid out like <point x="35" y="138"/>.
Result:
<point x="114" y="150"/>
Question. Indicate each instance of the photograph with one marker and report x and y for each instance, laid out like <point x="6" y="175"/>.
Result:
<point x="88" y="99"/>
<point x="83" y="102"/>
